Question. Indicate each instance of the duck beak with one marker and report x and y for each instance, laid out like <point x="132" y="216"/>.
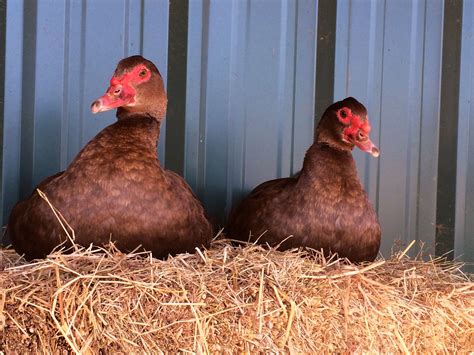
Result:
<point x="369" y="147"/>
<point x="115" y="97"/>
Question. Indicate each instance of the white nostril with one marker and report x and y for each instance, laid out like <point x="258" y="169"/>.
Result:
<point x="375" y="152"/>
<point x="96" y="106"/>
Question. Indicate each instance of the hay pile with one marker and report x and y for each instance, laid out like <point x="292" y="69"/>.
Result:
<point x="229" y="299"/>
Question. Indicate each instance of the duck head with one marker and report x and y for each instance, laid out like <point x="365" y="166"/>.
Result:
<point x="135" y="87"/>
<point x="345" y="125"/>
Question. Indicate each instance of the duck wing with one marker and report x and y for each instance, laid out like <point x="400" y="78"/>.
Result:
<point x="252" y="212"/>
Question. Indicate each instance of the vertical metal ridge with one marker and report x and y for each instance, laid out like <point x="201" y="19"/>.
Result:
<point x="3" y="25"/>
<point x="370" y="83"/>
<point x="30" y="12"/>
<point x="82" y="70"/>
<point x="71" y="43"/>
<point x="413" y="124"/>
<point x="65" y="107"/>
<point x="142" y="25"/>
<point x="245" y="123"/>
<point x="177" y="67"/>
<point x="231" y="146"/>
<point x="12" y="108"/>
<point x="201" y="175"/>
<point x="420" y="135"/>
<point x="448" y="133"/>
<point x="293" y="100"/>
<point x="236" y="127"/>
<point x="326" y="49"/>
<point x="126" y="27"/>
<point x="303" y="87"/>
<point x="464" y="241"/>
<point x="193" y="100"/>
<point x="430" y="79"/>
<point x="341" y="60"/>
<point x="281" y="80"/>
<point x="348" y="58"/>
<point x="377" y="190"/>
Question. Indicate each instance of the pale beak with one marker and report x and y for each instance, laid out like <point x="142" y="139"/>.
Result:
<point x="369" y="147"/>
<point x="112" y="100"/>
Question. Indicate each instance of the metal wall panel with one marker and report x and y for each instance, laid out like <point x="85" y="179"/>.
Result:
<point x="60" y="56"/>
<point x="250" y="96"/>
<point x="391" y="61"/>
<point x="464" y="241"/>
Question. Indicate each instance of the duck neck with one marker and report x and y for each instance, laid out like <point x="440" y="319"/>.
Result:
<point x="327" y="164"/>
<point x="156" y="113"/>
<point x="141" y="130"/>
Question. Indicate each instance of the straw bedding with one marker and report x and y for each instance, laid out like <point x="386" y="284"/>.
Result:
<point x="232" y="299"/>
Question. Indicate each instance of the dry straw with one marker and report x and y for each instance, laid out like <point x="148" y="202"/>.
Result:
<point x="233" y="299"/>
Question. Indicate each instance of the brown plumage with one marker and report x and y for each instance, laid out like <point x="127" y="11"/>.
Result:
<point x="115" y="189"/>
<point x="324" y="206"/>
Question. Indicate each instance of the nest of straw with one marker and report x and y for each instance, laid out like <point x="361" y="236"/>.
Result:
<point x="232" y="299"/>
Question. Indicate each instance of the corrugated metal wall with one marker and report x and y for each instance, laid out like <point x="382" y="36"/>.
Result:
<point x="250" y="99"/>
<point x="251" y="83"/>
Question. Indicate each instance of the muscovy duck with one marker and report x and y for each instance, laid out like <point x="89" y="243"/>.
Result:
<point x="115" y="189"/>
<point x="324" y="206"/>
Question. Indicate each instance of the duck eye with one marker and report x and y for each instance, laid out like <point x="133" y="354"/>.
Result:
<point x="142" y="73"/>
<point x="117" y="91"/>
<point x="343" y="113"/>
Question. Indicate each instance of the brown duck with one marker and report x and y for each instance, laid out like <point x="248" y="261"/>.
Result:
<point x="324" y="206"/>
<point x="115" y="189"/>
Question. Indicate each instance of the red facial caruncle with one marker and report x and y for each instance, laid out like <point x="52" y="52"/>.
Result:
<point x="356" y="131"/>
<point x="122" y="92"/>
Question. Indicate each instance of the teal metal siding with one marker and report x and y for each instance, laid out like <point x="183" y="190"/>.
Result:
<point x="250" y="102"/>
<point x="464" y="241"/>
<point x="250" y="80"/>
